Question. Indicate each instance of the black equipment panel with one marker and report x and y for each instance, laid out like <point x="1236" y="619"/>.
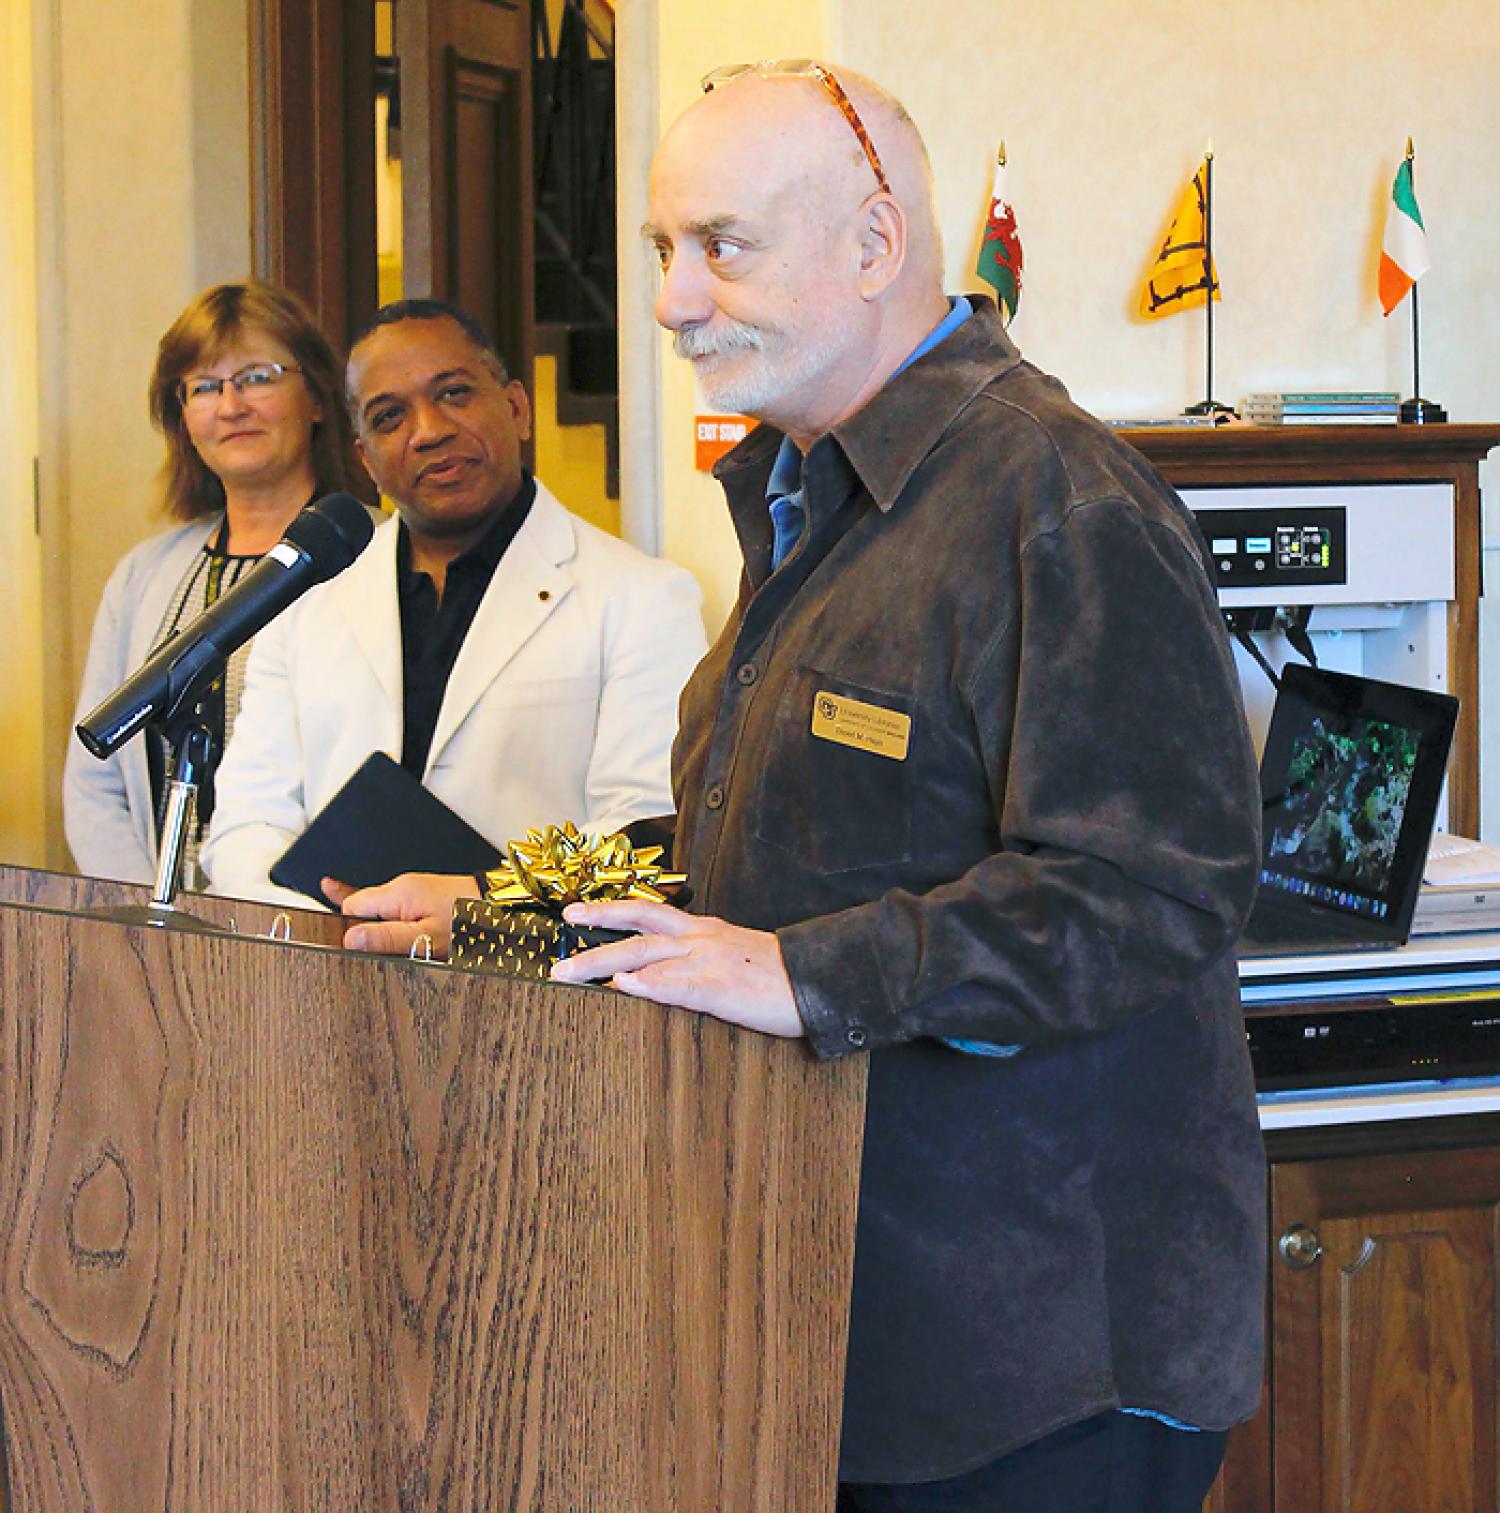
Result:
<point x="1275" y="546"/>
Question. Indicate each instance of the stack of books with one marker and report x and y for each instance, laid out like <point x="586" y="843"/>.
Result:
<point x="1460" y="887"/>
<point x="1143" y="423"/>
<point x="1358" y="407"/>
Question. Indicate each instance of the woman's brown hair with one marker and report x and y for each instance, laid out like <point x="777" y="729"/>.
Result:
<point x="214" y="321"/>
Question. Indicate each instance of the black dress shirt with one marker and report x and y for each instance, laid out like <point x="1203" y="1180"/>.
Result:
<point x="433" y="628"/>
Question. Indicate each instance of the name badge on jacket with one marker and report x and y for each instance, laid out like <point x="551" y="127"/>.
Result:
<point x="866" y="727"/>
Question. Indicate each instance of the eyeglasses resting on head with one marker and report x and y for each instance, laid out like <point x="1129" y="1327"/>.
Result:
<point x="805" y="68"/>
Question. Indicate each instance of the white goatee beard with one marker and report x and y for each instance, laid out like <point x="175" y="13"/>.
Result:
<point x="753" y="392"/>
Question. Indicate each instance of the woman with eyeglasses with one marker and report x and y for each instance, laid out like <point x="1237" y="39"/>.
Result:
<point x="247" y="393"/>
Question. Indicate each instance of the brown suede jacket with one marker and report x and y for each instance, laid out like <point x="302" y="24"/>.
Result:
<point x="1061" y="860"/>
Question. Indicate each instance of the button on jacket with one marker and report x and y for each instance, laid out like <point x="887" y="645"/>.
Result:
<point x="1060" y="859"/>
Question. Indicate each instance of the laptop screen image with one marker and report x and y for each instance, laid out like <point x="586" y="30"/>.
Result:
<point x="1350" y="783"/>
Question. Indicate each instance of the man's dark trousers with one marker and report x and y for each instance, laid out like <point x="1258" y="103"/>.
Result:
<point x="1113" y="1463"/>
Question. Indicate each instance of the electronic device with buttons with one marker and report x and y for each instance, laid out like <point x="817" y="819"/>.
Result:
<point x="1279" y="548"/>
<point x="1357" y="577"/>
<point x="1418" y="1037"/>
<point x="1428" y="1012"/>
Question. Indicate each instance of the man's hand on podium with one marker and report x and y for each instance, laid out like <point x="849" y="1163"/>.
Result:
<point x="690" y="961"/>
<point x="406" y="908"/>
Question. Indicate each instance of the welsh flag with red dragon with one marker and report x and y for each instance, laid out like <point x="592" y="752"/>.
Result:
<point x="1000" y="251"/>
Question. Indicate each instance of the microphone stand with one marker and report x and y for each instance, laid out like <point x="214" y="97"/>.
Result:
<point x="192" y="744"/>
<point x="188" y="767"/>
<point x="322" y="541"/>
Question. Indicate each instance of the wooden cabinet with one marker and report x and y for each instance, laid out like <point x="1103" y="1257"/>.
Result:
<point x="1384" y="1331"/>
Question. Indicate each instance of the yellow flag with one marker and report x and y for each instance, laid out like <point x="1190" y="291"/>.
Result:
<point x="1183" y="272"/>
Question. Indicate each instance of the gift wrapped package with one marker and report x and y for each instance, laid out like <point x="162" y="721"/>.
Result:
<point x="517" y="940"/>
<point x="518" y="928"/>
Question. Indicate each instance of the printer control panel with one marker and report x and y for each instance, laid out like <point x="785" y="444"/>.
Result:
<point x="1277" y="546"/>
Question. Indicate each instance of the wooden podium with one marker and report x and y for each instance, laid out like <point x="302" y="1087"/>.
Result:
<point x="282" y="1227"/>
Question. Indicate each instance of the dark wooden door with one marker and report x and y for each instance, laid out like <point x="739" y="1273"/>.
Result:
<point x="312" y="110"/>
<point x="465" y="80"/>
<point x="1384" y="1355"/>
<point x="466" y="149"/>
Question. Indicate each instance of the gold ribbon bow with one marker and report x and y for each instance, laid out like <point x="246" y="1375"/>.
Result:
<point x="562" y="865"/>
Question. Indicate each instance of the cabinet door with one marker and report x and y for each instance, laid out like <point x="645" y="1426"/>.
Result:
<point x="1244" y="1482"/>
<point x="1384" y="1359"/>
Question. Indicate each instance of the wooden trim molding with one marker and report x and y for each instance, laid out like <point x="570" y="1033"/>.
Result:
<point x="1327" y="454"/>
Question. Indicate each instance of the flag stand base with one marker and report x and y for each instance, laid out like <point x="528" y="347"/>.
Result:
<point x="1220" y="414"/>
<point x="1421" y="412"/>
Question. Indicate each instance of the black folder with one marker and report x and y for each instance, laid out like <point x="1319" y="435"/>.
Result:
<point x="381" y="823"/>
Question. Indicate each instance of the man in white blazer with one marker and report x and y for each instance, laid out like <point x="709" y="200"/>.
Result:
<point x="523" y="664"/>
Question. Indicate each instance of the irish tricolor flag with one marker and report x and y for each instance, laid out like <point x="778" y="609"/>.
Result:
<point x="1404" y="257"/>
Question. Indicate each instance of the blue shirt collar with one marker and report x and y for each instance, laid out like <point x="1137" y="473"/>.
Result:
<point x="959" y="310"/>
<point x="786" y="473"/>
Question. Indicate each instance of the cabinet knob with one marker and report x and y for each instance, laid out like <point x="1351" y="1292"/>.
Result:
<point x="1300" y="1246"/>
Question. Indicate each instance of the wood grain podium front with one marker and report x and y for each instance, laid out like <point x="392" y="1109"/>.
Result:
<point x="288" y="1228"/>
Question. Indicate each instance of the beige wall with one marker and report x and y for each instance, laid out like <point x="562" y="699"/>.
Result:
<point x="143" y="197"/>
<point x="22" y="807"/>
<point x="691" y="37"/>
<point x="150" y="172"/>
<point x="1105" y="108"/>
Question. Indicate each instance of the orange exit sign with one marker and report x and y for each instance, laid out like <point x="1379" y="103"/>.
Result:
<point x="713" y="435"/>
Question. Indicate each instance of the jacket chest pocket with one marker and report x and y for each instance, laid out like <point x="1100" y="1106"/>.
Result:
<point x="836" y="787"/>
<point x="539" y="726"/>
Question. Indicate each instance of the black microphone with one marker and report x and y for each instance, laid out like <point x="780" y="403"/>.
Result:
<point x="321" y="542"/>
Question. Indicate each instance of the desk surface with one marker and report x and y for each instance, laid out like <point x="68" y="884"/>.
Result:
<point x="1467" y="949"/>
<point x="1379" y="1104"/>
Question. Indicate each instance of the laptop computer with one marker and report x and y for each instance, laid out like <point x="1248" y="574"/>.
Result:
<point x="1350" y="781"/>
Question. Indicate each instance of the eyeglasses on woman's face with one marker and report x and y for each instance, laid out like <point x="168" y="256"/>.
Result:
<point x="200" y="391"/>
